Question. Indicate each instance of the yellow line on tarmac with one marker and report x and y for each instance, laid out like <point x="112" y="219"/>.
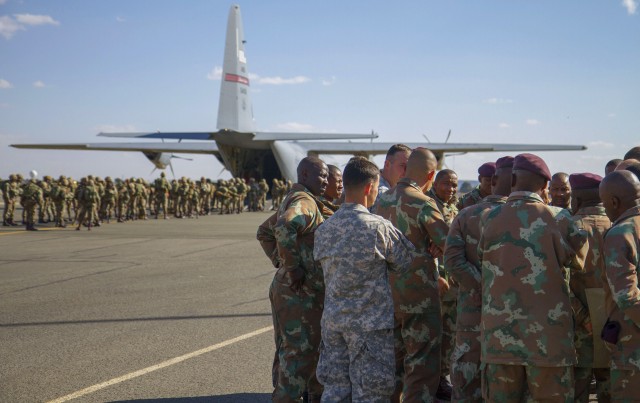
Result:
<point x="144" y="371"/>
<point x="25" y="231"/>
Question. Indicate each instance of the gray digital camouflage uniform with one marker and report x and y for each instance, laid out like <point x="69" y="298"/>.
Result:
<point x="356" y="249"/>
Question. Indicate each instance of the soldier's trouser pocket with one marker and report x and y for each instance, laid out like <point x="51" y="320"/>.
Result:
<point x="374" y="364"/>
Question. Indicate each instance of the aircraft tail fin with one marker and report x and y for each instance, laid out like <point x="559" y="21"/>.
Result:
<point x="235" y="111"/>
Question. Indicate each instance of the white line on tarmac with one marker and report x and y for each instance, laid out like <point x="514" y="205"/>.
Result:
<point x="144" y="371"/>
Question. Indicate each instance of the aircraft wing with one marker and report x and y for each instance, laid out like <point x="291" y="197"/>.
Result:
<point x="375" y="148"/>
<point x="163" y="135"/>
<point x="185" y="148"/>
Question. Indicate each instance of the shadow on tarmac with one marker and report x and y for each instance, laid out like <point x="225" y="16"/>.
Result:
<point x="233" y="398"/>
<point x="149" y="319"/>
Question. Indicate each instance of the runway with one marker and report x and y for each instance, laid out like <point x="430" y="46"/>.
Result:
<point x="170" y="311"/>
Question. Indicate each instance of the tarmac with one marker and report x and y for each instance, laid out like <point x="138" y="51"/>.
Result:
<point x="144" y="311"/>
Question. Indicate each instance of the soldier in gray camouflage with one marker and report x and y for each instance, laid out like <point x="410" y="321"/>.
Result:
<point x="620" y="194"/>
<point x="526" y="251"/>
<point x="356" y="250"/>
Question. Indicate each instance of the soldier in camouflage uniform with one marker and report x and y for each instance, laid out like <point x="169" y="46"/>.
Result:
<point x="526" y="251"/>
<point x="485" y="172"/>
<point x="88" y="198"/>
<point x="263" y="189"/>
<point x="297" y="290"/>
<point x="253" y="195"/>
<point x="30" y="199"/>
<point x="415" y="294"/>
<point x="587" y="286"/>
<point x="443" y="192"/>
<point x="162" y="188"/>
<point x="356" y="250"/>
<point x="59" y="192"/>
<point x="46" y="213"/>
<point x="109" y="200"/>
<point x="10" y="196"/>
<point x="620" y="193"/>
<point x="462" y="265"/>
<point x="560" y="190"/>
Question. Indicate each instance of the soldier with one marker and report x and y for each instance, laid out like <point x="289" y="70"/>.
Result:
<point x="633" y="154"/>
<point x="334" y="190"/>
<point x="485" y="172"/>
<point x="416" y="297"/>
<point x="443" y="192"/>
<point x="263" y="189"/>
<point x="462" y="265"/>
<point x="253" y="195"/>
<point x="162" y="188"/>
<point x="356" y="249"/>
<point x="123" y="202"/>
<point x="59" y="193"/>
<point x="109" y="200"/>
<point x="560" y="190"/>
<point x="611" y="165"/>
<point x="140" y="208"/>
<point x="46" y="209"/>
<point x="30" y="198"/>
<point x="9" y="195"/>
<point x="297" y="290"/>
<point x="587" y="287"/>
<point x="620" y="194"/>
<point x="526" y="249"/>
<point x="88" y="199"/>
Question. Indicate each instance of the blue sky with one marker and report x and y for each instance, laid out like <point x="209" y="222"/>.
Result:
<point x="491" y="71"/>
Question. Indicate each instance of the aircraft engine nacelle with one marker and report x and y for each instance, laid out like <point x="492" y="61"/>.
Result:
<point x="160" y="160"/>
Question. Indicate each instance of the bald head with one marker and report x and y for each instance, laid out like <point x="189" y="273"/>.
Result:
<point x="635" y="168"/>
<point x="625" y="164"/>
<point x="313" y="174"/>
<point x="421" y="166"/>
<point x="619" y="191"/>
<point x="633" y="154"/>
<point x="560" y="190"/>
<point x="611" y="165"/>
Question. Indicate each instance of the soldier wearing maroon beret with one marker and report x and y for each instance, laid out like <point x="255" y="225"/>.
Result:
<point x="485" y="172"/>
<point x="587" y="288"/>
<point x="525" y="251"/>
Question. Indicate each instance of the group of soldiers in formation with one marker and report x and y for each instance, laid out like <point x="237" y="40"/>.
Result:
<point x="524" y="289"/>
<point x="93" y="200"/>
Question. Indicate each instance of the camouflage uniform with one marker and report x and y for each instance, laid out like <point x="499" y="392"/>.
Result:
<point x="9" y="195"/>
<point x="622" y="265"/>
<point x="448" y="299"/>
<point x="59" y="194"/>
<point x="526" y="249"/>
<point x="355" y="249"/>
<point x="469" y="199"/>
<point x="593" y="220"/>
<point x="462" y="265"/>
<point x="297" y="314"/>
<point x="30" y="198"/>
<point x="162" y="188"/>
<point x="415" y="294"/>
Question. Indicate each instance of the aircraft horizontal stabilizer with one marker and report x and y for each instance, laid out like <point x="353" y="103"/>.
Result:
<point x="185" y="148"/>
<point x="272" y="136"/>
<point x="375" y="148"/>
<point x="161" y="135"/>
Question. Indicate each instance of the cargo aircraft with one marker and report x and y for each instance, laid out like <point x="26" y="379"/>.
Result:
<point x="246" y="152"/>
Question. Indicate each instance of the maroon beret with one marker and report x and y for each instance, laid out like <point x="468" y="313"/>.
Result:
<point x="532" y="163"/>
<point x="504" y="162"/>
<point x="584" y="181"/>
<point x="487" y="169"/>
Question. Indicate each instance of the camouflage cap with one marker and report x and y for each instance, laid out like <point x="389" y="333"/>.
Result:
<point x="487" y="169"/>
<point x="584" y="181"/>
<point x="532" y="163"/>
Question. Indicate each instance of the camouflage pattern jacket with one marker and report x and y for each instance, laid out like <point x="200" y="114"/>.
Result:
<point x="622" y="263"/>
<point x="470" y="198"/>
<point x="356" y="249"/>
<point x="594" y="221"/>
<point x="298" y="218"/>
<point x="462" y="264"/>
<point x="526" y="249"/>
<point x="417" y="216"/>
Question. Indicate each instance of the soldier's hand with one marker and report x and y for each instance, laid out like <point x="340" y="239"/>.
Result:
<point x="443" y="285"/>
<point x="435" y="251"/>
